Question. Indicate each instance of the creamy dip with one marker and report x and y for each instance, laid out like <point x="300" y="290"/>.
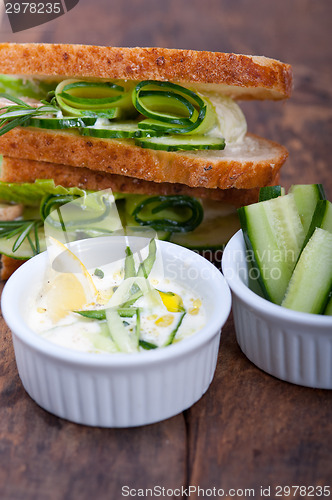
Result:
<point x="164" y="308"/>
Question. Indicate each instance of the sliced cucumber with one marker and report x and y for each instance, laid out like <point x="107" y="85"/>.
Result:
<point x="78" y="98"/>
<point x="328" y="310"/>
<point x="322" y="218"/>
<point x="110" y="113"/>
<point x="125" y="207"/>
<point x="170" y="104"/>
<point x="163" y="214"/>
<point x="306" y="197"/>
<point x="270" y="192"/>
<point x="274" y="236"/>
<point x="61" y="123"/>
<point x="219" y="224"/>
<point x="181" y="142"/>
<point x="311" y="282"/>
<point x="118" y="130"/>
<point x="124" y="340"/>
<point x="208" y="123"/>
<point x="102" y="341"/>
<point x="25" y="250"/>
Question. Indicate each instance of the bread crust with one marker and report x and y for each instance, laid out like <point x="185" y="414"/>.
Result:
<point x="245" y="166"/>
<point x="20" y="170"/>
<point x="241" y="76"/>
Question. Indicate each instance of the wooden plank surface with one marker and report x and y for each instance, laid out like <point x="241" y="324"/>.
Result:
<point x="47" y="458"/>
<point x="257" y="430"/>
<point x="250" y="429"/>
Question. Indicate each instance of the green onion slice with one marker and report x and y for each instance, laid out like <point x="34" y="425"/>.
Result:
<point x="147" y="345"/>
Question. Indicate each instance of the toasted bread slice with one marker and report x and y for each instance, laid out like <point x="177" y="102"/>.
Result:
<point x="240" y="76"/>
<point x="20" y="170"/>
<point x="252" y="163"/>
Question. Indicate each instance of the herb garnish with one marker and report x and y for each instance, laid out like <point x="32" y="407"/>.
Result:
<point x="23" y="229"/>
<point x="19" y="113"/>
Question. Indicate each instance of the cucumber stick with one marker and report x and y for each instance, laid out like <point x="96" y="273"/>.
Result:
<point x="269" y="192"/>
<point x="311" y="282"/>
<point x="328" y="310"/>
<point x="274" y="236"/>
<point x="306" y="197"/>
<point x="322" y="218"/>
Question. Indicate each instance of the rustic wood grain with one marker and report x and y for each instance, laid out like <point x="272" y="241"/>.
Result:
<point x="43" y="457"/>
<point x="250" y="429"/>
<point x="257" y="430"/>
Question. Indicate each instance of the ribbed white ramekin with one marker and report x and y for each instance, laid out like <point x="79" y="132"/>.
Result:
<point x="120" y="390"/>
<point x="293" y="346"/>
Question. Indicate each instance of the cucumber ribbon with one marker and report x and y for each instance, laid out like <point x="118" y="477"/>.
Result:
<point x="171" y="108"/>
<point x="103" y="99"/>
<point x="154" y="108"/>
<point x="92" y="214"/>
<point x="173" y="221"/>
<point x="163" y="213"/>
<point x="137" y="287"/>
<point x="179" y="109"/>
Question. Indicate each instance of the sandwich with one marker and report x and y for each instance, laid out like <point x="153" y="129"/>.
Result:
<point x="161" y="127"/>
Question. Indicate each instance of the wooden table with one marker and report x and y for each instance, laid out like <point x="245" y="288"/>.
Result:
<point x="249" y="430"/>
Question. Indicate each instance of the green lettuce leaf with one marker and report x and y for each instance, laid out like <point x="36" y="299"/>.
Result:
<point x="18" y="87"/>
<point x="31" y="193"/>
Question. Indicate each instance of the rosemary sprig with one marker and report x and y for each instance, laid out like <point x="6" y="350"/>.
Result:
<point x="17" y="114"/>
<point x="24" y="229"/>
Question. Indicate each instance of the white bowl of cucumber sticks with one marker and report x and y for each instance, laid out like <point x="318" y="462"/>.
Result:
<point x="279" y="269"/>
<point x="114" y="376"/>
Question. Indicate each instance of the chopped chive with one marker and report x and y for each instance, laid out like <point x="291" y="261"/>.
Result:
<point x="171" y="337"/>
<point x="138" y="323"/>
<point x="147" y="345"/>
<point x="100" y="314"/>
<point x="99" y="273"/>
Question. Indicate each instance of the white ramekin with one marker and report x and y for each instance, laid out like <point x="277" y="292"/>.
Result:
<point x="293" y="346"/>
<point x="120" y="390"/>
